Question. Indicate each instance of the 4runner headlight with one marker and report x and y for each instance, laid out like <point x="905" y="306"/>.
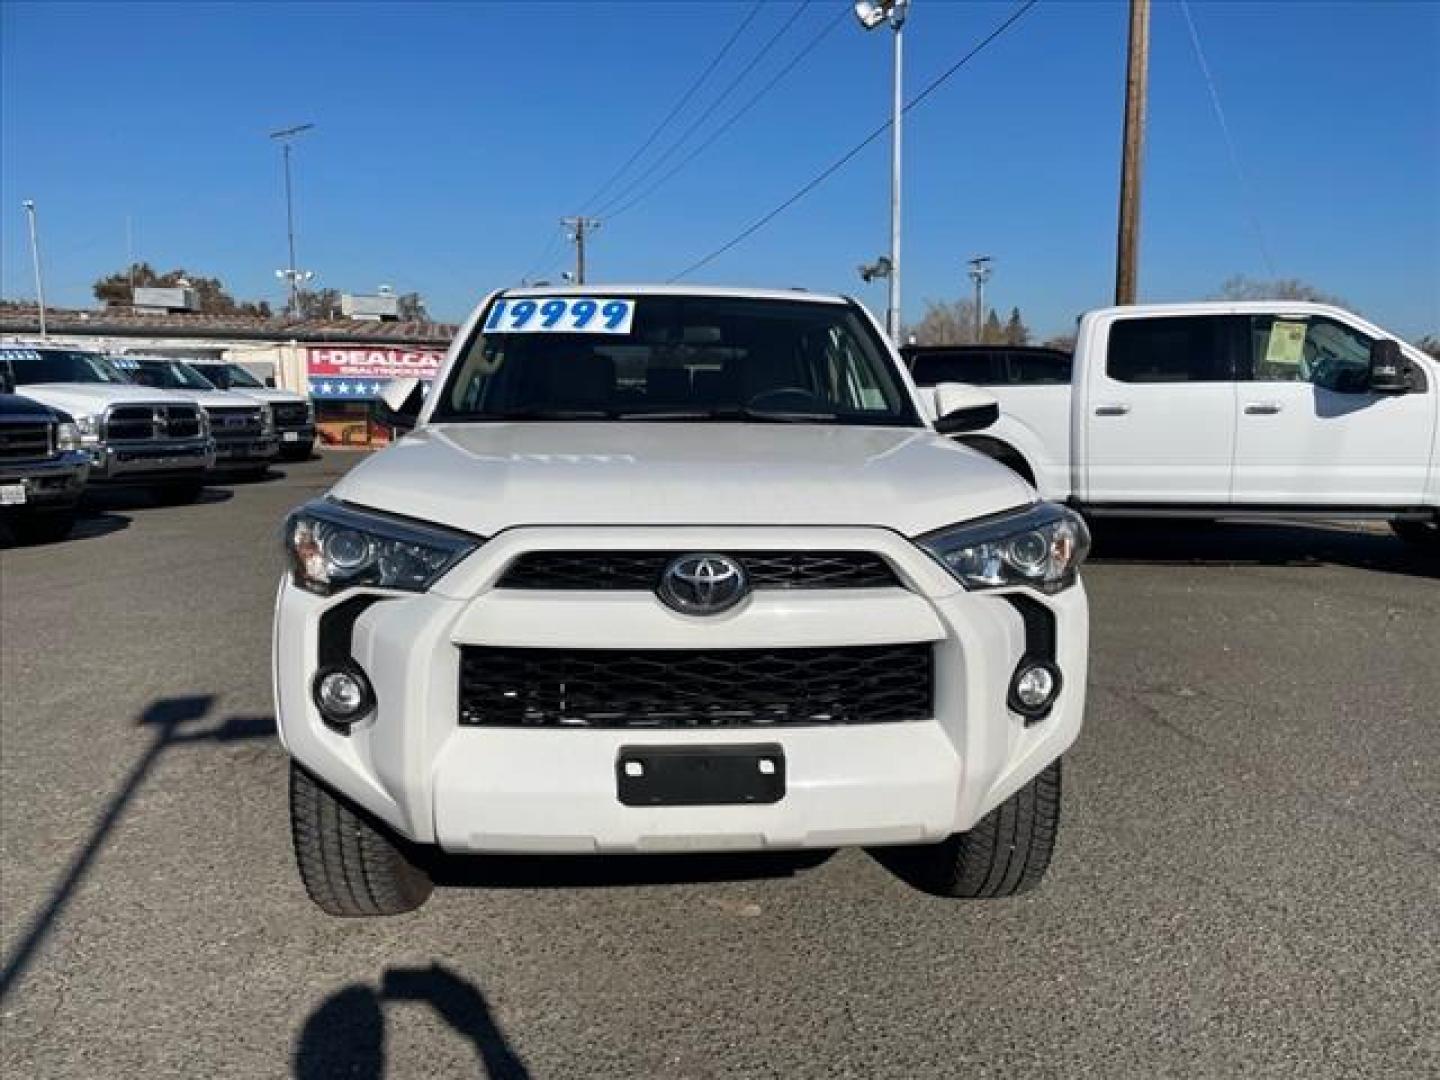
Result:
<point x="1041" y="547"/>
<point x="333" y="547"/>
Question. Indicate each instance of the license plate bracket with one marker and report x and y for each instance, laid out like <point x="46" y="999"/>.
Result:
<point x="13" y="494"/>
<point x="714" y="775"/>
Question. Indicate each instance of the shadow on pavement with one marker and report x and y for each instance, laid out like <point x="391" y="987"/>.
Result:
<point x="97" y="499"/>
<point x="610" y="871"/>
<point x="1161" y="542"/>
<point x="345" y="1036"/>
<point x="165" y="717"/>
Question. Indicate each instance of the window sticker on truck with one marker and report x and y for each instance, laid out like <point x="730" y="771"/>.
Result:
<point x="1286" y="347"/>
<point x="561" y="315"/>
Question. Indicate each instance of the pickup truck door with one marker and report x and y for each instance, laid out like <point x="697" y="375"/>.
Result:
<point x="1310" y="431"/>
<point x="1158" y="416"/>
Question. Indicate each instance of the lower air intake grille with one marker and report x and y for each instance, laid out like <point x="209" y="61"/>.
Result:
<point x="685" y="688"/>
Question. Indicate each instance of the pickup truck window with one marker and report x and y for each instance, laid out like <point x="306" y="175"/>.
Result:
<point x="689" y="358"/>
<point x="989" y="367"/>
<point x="1313" y="349"/>
<point x="1186" y="348"/>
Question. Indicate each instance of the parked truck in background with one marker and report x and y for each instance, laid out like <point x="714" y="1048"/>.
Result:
<point x="242" y="427"/>
<point x="42" y="468"/>
<point x="132" y="435"/>
<point x="294" y="413"/>
<point x="1261" y="408"/>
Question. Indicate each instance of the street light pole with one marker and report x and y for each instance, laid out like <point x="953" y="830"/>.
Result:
<point x="29" y="205"/>
<point x="874" y="13"/>
<point x="290" y="273"/>
<point x="979" y="274"/>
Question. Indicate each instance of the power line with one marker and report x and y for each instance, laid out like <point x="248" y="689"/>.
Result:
<point x="657" y="162"/>
<point x="1246" y="192"/>
<point x="735" y="117"/>
<point x="684" y="100"/>
<point x="850" y="154"/>
<point x="545" y="253"/>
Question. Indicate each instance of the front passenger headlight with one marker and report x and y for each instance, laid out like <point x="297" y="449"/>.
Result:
<point x="333" y="547"/>
<point x="1040" y="547"/>
<point x="67" y="437"/>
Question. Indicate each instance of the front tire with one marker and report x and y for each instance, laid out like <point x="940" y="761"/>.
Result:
<point x="1424" y="535"/>
<point x="351" y="864"/>
<point x="1005" y="854"/>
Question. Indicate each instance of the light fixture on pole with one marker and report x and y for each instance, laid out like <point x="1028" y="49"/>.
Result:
<point x="979" y="274"/>
<point x="290" y="274"/>
<point x="872" y="14"/>
<point x="29" y="205"/>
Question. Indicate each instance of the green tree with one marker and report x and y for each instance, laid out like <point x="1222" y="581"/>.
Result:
<point x="210" y="294"/>
<point x="994" y="333"/>
<point x="412" y="308"/>
<point x="318" y="303"/>
<point x="1016" y="332"/>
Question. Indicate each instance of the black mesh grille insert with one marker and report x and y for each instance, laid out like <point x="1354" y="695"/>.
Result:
<point x="685" y="688"/>
<point x="590" y="570"/>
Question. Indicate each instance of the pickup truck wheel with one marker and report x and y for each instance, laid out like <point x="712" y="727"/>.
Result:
<point x="182" y="493"/>
<point x="1423" y="534"/>
<point x="1005" y="854"/>
<point x="44" y="528"/>
<point x="351" y="864"/>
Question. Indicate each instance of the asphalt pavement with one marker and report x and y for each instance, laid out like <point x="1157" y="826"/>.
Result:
<point x="1247" y="881"/>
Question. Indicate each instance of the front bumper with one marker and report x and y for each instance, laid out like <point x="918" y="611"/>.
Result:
<point x="248" y="451"/>
<point x="151" y="459"/>
<point x="53" y="484"/>
<point x="544" y="789"/>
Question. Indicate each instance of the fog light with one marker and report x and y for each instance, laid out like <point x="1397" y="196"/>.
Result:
<point x="342" y="694"/>
<point x="1034" y="687"/>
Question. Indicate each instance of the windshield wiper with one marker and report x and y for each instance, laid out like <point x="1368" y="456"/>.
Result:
<point x="541" y="414"/>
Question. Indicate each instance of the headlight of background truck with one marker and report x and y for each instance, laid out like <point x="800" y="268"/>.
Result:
<point x="267" y="420"/>
<point x="67" y="437"/>
<point x="333" y="547"/>
<point x="1040" y="547"/>
<point x="88" y="428"/>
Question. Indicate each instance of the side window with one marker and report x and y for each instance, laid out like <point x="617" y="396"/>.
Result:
<point x="1314" y="350"/>
<point x="1188" y="348"/>
<point x="978" y="368"/>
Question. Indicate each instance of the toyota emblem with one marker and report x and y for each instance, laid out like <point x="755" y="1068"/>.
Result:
<point x="703" y="584"/>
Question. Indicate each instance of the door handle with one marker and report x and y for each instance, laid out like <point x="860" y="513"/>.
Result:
<point x="1262" y="408"/>
<point x="1111" y="410"/>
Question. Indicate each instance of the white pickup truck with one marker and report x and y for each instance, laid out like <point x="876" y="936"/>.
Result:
<point x="677" y="569"/>
<point x="1229" y="409"/>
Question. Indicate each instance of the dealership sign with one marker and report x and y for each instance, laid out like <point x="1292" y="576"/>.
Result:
<point x="354" y="371"/>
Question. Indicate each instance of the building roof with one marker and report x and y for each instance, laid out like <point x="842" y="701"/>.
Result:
<point x="21" y="317"/>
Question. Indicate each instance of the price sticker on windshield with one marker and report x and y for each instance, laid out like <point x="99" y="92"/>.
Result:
<point x="561" y="315"/>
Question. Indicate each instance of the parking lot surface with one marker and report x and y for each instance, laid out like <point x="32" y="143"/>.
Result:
<point x="1247" y="880"/>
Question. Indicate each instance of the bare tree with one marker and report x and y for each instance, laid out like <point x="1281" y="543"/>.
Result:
<point x="1430" y="343"/>
<point x="1241" y="287"/>
<point x="953" y="323"/>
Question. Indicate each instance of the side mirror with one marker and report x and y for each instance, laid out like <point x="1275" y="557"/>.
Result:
<point x="400" y="402"/>
<point x="960" y="408"/>
<point x="1389" y="368"/>
<point x="270" y="381"/>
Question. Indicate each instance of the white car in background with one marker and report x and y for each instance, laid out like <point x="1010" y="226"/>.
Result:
<point x="242" y="427"/>
<point x="294" y="413"/>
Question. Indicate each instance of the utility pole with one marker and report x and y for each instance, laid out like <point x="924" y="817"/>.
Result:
<point x="291" y="274"/>
<point x="29" y="205"/>
<point x="979" y="274"/>
<point x="1136" y="79"/>
<point x="578" y="227"/>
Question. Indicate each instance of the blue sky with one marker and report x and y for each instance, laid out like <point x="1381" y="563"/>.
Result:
<point x="450" y="138"/>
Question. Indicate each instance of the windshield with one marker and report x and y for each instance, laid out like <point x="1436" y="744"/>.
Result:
<point x="676" y="358"/>
<point x="230" y="375"/>
<point x="60" y="366"/>
<point x="169" y="375"/>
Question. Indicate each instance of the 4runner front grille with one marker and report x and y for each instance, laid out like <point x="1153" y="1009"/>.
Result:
<point x="692" y="688"/>
<point x="22" y="440"/>
<point x="136" y="423"/>
<point x="640" y="570"/>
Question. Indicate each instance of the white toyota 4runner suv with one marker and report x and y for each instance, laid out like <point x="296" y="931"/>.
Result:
<point x="666" y="569"/>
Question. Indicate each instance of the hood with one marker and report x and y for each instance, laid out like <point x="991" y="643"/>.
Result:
<point x="15" y="407"/>
<point x="484" y="478"/>
<point x="77" y="398"/>
<point x="270" y="394"/>
<point x="218" y="399"/>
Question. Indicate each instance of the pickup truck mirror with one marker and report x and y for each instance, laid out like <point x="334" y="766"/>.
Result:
<point x="400" y="402"/>
<point x="960" y="408"/>
<point x="1389" y="368"/>
<point x="270" y="381"/>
